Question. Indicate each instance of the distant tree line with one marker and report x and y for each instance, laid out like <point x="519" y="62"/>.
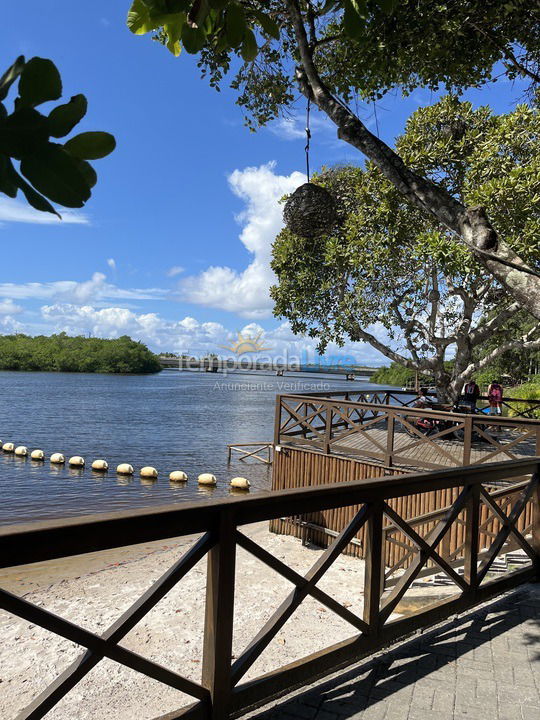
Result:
<point x="62" y="353"/>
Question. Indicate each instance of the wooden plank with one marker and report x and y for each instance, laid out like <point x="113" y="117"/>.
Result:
<point x="219" y="616"/>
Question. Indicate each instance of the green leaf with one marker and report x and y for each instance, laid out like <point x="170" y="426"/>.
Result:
<point x="40" y="81"/>
<point x="55" y="174"/>
<point x="90" y="145"/>
<point x="360" y="7"/>
<point x="198" y="12"/>
<point x="138" y="18"/>
<point x="35" y="199"/>
<point x="7" y="184"/>
<point x="193" y="39"/>
<point x="235" y="24"/>
<point x="23" y="132"/>
<point x="174" y="32"/>
<point x="218" y="4"/>
<point x="269" y="26"/>
<point x="352" y="22"/>
<point x="11" y="74"/>
<point x="87" y="171"/>
<point x="388" y="6"/>
<point x="63" y="118"/>
<point x="249" y="46"/>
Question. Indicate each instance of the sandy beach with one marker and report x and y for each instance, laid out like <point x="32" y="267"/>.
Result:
<point x="94" y="589"/>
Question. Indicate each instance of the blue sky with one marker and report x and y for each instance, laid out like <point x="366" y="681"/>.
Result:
<point x="173" y="247"/>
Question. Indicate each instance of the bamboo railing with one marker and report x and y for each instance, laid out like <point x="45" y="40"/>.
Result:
<point x="221" y="692"/>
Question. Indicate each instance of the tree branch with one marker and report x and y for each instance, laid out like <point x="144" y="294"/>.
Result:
<point x="470" y="224"/>
<point x="524" y="343"/>
<point x="507" y="54"/>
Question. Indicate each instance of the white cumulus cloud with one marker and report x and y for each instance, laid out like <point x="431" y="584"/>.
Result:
<point x="246" y="292"/>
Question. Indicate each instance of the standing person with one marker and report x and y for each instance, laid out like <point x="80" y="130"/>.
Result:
<point x="495" y="396"/>
<point x="471" y="393"/>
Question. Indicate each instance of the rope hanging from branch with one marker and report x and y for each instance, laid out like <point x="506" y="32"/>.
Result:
<point x="311" y="209"/>
<point x="308" y="137"/>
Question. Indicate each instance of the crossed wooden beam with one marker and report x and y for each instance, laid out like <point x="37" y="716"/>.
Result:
<point x="107" y="645"/>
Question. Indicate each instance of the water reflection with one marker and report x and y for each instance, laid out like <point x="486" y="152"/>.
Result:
<point x="173" y="420"/>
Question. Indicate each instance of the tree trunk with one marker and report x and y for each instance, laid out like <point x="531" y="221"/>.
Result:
<point x="471" y="225"/>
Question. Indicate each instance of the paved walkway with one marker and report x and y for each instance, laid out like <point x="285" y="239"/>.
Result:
<point x="484" y="665"/>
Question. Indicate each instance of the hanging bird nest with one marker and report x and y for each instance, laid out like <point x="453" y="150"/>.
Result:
<point x="310" y="211"/>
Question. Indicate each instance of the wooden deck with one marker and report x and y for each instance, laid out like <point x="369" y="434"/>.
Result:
<point x="439" y="452"/>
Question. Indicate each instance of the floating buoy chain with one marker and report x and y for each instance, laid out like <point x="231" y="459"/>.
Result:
<point x="77" y="461"/>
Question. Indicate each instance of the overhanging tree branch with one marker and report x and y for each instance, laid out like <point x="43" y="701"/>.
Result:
<point x="470" y="224"/>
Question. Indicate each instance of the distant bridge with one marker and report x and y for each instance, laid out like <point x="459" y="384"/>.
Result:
<point x="217" y="364"/>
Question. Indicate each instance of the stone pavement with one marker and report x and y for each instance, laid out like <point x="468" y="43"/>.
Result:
<point x="484" y="665"/>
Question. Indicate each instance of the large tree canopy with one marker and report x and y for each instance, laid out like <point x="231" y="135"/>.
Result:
<point x="384" y="263"/>
<point x="333" y="52"/>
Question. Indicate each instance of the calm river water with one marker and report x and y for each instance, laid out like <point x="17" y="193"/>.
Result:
<point x="172" y="421"/>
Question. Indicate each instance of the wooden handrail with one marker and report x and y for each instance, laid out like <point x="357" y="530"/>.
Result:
<point x="220" y="694"/>
<point x="329" y="422"/>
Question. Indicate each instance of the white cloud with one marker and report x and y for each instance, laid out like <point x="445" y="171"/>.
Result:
<point x="12" y="210"/>
<point x="188" y="335"/>
<point x="174" y="271"/>
<point x="71" y="291"/>
<point x="246" y="292"/>
<point x="8" y="307"/>
<point x="111" y="262"/>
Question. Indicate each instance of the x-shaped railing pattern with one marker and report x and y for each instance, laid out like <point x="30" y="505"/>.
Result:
<point x="220" y="691"/>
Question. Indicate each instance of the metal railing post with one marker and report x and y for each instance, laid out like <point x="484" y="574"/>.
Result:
<point x="219" y="616"/>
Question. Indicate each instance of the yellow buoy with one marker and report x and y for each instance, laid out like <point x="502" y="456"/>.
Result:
<point x="58" y="458"/>
<point x="76" y="461"/>
<point x="37" y="455"/>
<point x="240" y="483"/>
<point x="8" y="447"/>
<point x="101" y="465"/>
<point x="207" y="479"/>
<point x="124" y="469"/>
<point x="148" y="472"/>
<point x="21" y="450"/>
<point x="178" y="476"/>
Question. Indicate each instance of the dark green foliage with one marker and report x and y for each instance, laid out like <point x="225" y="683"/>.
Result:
<point x="394" y="374"/>
<point x="363" y="48"/>
<point x="54" y="172"/>
<point x="61" y="353"/>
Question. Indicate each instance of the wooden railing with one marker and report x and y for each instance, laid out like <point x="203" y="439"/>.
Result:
<point x="516" y="406"/>
<point x="392" y="435"/>
<point x="221" y="691"/>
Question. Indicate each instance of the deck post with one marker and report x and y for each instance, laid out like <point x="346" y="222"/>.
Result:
<point x="467" y="439"/>
<point x="277" y="420"/>
<point x="374" y="567"/>
<point x="536" y="522"/>
<point x="390" y="439"/>
<point x="219" y="616"/>
<point x="472" y="532"/>
<point x="328" y="428"/>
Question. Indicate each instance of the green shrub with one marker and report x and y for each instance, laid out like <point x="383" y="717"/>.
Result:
<point x="527" y="391"/>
